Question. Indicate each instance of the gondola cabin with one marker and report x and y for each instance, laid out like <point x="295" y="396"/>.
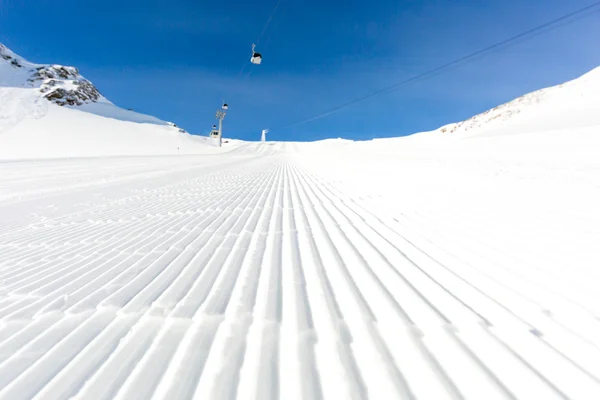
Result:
<point x="256" y="58"/>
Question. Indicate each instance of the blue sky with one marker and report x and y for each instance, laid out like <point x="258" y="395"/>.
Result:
<point x="178" y="59"/>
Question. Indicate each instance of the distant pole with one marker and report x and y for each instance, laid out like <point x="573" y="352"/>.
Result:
<point x="263" y="137"/>
<point x="220" y="115"/>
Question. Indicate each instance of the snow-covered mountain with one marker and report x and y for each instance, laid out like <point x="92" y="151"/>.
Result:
<point x="53" y="111"/>
<point x="450" y="264"/>
<point x="58" y="84"/>
<point x="574" y="104"/>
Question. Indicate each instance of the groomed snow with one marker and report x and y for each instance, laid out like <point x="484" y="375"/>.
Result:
<point x="277" y="270"/>
<point x="445" y="265"/>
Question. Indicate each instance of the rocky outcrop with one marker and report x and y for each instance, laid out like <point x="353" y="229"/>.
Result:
<point x="72" y="93"/>
<point x="55" y="72"/>
<point x="4" y="54"/>
<point x="64" y="86"/>
<point x="59" y="84"/>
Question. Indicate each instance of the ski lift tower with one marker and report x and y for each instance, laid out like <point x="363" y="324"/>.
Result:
<point x="220" y="115"/>
<point x="263" y="137"/>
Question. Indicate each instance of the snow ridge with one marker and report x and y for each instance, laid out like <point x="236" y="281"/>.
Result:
<point x="50" y="111"/>
<point x="503" y="112"/>
<point x="61" y="85"/>
<point x="565" y="101"/>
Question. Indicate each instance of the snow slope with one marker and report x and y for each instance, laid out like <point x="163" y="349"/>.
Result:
<point x="49" y="111"/>
<point x="284" y="272"/>
<point x="446" y="265"/>
<point x="574" y="104"/>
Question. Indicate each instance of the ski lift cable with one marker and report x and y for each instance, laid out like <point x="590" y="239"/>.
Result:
<point x="264" y="30"/>
<point x="262" y="33"/>
<point x="265" y="42"/>
<point x="560" y="21"/>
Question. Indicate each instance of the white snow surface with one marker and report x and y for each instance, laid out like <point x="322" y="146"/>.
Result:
<point x="31" y="127"/>
<point x="573" y="104"/>
<point x="282" y="271"/>
<point x="445" y="265"/>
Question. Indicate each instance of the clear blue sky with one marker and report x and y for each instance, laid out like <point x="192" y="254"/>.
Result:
<point x="177" y="59"/>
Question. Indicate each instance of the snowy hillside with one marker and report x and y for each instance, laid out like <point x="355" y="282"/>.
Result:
<point x="318" y="271"/>
<point x="53" y="111"/>
<point x="455" y="264"/>
<point x="569" y="105"/>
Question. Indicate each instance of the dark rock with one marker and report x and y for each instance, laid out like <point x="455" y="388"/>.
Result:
<point x="85" y="93"/>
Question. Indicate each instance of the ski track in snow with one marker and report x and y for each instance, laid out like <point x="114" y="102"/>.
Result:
<point x="253" y="277"/>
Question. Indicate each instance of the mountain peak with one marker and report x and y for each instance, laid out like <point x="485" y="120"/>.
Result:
<point x="61" y="85"/>
<point x="9" y="57"/>
<point x="51" y="110"/>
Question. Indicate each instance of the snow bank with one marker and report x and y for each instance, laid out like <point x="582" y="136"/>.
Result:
<point x="63" y="132"/>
